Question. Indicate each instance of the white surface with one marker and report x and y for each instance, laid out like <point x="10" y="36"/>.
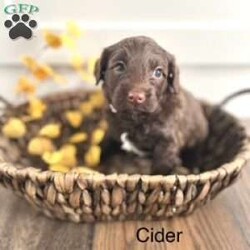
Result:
<point x="197" y="32"/>
<point x="115" y="10"/>
<point x="191" y="46"/>
<point x="211" y="40"/>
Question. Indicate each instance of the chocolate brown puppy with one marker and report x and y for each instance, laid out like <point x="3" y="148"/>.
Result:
<point x="149" y="112"/>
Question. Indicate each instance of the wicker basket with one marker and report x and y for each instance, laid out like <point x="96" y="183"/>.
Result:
<point x="81" y="198"/>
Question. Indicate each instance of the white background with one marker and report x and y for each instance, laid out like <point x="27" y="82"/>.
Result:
<point x="211" y="39"/>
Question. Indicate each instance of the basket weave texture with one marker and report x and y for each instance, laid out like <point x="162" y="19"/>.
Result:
<point x="80" y="198"/>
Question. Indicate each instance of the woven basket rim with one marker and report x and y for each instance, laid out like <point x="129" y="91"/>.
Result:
<point x="236" y="164"/>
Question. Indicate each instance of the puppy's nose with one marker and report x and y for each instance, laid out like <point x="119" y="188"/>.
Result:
<point x="137" y="97"/>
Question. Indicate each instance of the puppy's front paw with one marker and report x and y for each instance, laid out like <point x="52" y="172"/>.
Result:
<point x="181" y="170"/>
<point x="166" y="166"/>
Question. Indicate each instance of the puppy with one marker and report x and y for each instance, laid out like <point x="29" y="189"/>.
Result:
<point x="149" y="112"/>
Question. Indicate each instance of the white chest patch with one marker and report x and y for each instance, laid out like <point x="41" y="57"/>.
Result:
<point x="127" y="145"/>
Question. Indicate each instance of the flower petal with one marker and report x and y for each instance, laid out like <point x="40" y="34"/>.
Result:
<point x="86" y="108"/>
<point x="91" y="65"/>
<point x="75" y="118"/>
<point x="77" y="62"/>
<point x="68" y="42"/>
<point x="103" y="124"/>
<point x="25" y="86"/>
<point x="59" y="168"/>
<point x="69" y="155"/>
<point x="97" y="100"/>
<point x="97" y="136"/>
<point x="36" y="108"/>
<point x="78" y="137"/>
<point x="93" y="155"/>
<point x="29" y="62"/>
<point x="51" y="131"/>
<point x="52" y="40"/>
<point x="14" y="128"/>
<point x="74" y="30"/>
<point x="52" y="158"/>
<point x="42" y="72"/>
<point x="38" y="146"/>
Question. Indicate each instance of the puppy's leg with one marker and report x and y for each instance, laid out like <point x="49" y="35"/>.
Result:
<point x="165" y="158"/>
<point x="109" y="147"/>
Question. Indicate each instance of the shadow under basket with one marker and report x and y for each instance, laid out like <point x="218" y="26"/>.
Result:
<point x="88" y="198"/>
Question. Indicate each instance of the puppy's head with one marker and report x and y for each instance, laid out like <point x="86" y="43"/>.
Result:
<point x="137" y="75"/>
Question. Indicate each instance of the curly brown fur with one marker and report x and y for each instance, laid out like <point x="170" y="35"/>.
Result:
<point x="141" y="81"/>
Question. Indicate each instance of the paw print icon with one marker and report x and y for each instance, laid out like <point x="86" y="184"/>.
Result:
<point x="20" y="26"/>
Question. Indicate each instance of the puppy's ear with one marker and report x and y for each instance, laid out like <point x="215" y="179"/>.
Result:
<point x="97" y="72"/>
<point x="101" y="66"/>
<point x="173" y="75"/>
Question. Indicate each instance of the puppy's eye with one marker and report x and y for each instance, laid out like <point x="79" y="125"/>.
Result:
<point x="119" y="67"/>
<point x="158" y="73"/>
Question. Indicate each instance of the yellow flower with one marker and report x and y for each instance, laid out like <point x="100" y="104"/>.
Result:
<point x="75" y="118"/>
<point x="29" y="62"/>
<point x="38" y="146"/>
<point x="51" y="130"/>
<point x="59" y="168"/>
<point x="68" y="42"/>
<point x="14" y="128"/>
<point x="52" y="40"/>
<point x="74" y="30"/>
<point x="93" y="156"/>
<point x="91" y="65"/>
<point x="42" y="72"/>
<point x="97" y="136"/>
<point x="68" y="155"/>
<point x="86" y="76"/>
<point x="52" y="158"/>
<point x="77" y="62"/>
<point x="86" y="108"/>
<point x="25" y="86"/>
<point x="84" y="71"/>
<point x="36" y="108"/>
<point x="97" y="99"/>
<point x="84" y="170"/>
<point x="78" y="137"/>
<point x="103" y="124"/>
